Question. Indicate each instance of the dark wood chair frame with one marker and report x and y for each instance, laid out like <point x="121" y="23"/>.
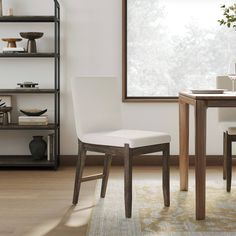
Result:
<point x="227" y="159"/>
<point x="128" y="154"/>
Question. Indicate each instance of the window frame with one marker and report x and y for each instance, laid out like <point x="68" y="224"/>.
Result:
<point x="125" y="97"/>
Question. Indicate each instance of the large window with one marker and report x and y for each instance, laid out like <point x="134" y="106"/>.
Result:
<point x="173" y="45"/>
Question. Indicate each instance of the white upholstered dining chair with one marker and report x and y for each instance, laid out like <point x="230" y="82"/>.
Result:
<point x="97" y="113"/>
<point x="227" y="120"/>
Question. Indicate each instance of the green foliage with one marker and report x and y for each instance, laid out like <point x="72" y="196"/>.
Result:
<point x="229" y="14"/>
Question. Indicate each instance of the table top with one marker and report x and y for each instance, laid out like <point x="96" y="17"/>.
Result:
<point x="223" y="96"/>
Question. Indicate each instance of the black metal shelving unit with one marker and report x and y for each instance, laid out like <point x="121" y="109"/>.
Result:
<point x="12" y="161"/>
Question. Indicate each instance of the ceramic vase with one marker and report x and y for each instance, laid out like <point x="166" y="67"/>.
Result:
<point x="38" y="147"/>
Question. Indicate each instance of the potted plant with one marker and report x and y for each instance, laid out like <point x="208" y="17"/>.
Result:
<point x="229" y="14"/>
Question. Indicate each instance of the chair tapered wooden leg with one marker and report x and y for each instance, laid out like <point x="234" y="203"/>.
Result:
<point x="228" y="163"/>
<point x="106" y="170"/>
<point x="79" y="172"/>
<point x="224" y="154"/>
<point x="128" y="181"/>
<point x="166" y="175"/>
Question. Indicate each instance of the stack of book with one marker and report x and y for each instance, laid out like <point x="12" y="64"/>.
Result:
<point x="12" y="50"/>
<point x="33" y="120"/>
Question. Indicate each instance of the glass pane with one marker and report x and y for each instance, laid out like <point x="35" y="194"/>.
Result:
<point x="174" y="45"/>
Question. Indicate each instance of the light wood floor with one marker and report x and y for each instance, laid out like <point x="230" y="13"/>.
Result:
<point x="36" y="203"/>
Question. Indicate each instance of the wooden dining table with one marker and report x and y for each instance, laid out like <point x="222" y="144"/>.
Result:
<point x="200" y="102"/>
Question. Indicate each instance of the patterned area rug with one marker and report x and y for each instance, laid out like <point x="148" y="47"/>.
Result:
<point x="150" y="217"/>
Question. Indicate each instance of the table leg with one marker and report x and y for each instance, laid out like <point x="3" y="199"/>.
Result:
<point x="184" y="144"/>
<point x="200" y="158"/>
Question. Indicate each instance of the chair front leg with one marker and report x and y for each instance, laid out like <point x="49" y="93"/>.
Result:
<point x="79" y="172"/>
<point x="228" y="163"/>
<point x="224" y="154"/>
<point x="106" y="170"/>
<point x="128" y="159"/>
<point x="166" y="175"/>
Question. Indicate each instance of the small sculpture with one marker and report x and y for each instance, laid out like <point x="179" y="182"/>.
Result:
<point x="11" y="42"/>
<point x="28" y="85"/>
<point x="31" y="36"/>
<point x="2" y="104"/>
<point x="4" y="110"/>
<point x="0" y="7"/>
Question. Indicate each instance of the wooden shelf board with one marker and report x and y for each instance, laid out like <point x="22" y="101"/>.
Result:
<point x="28" y="127"/>
<point x="28" y="54"/>
<point x="22" y="90"/>
<point x="28" y="19"/>
<point x="24" y="161"/>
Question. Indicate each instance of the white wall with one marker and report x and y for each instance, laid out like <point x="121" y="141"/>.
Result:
<point x="91" y="45"/>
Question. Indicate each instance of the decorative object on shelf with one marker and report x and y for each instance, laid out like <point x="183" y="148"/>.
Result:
<point x="8" y="7"/>
<point x="38" y="147"/>
<point x="33" y="120"/>
<point x="13" y="50"/>
<point x="5" y="111"/>
<point x="31" y="36"/>
<point x="2" y="104"/>
<point x="33" y="112"/>
<point x="28" y="85"/>
<point x="11" y="42"/>
<point x="0" y="7"/>
<point x="6" y="99"/>
<point x="10" y="11"/>
<point x="50" y="147"/>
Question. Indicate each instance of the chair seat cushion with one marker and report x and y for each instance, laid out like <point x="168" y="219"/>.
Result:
<point x="230" y="127"/>
<point x="118" y="138"/>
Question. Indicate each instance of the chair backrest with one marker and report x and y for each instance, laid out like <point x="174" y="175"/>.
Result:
<point x="225" y="114"/>
<point x="97" y="105"/>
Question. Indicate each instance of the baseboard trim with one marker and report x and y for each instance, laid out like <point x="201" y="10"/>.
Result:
<point x="145" y="160"/>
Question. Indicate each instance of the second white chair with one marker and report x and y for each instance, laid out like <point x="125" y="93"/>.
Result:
<point x="227" y="119"/>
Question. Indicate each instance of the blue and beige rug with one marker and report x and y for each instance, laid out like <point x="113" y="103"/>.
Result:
<point x="150" y="217"/>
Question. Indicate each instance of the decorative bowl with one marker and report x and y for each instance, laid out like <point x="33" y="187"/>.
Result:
<point x="31" y="35"/>
<point x="11" y="42"/>
<point x="33" y="112"/>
